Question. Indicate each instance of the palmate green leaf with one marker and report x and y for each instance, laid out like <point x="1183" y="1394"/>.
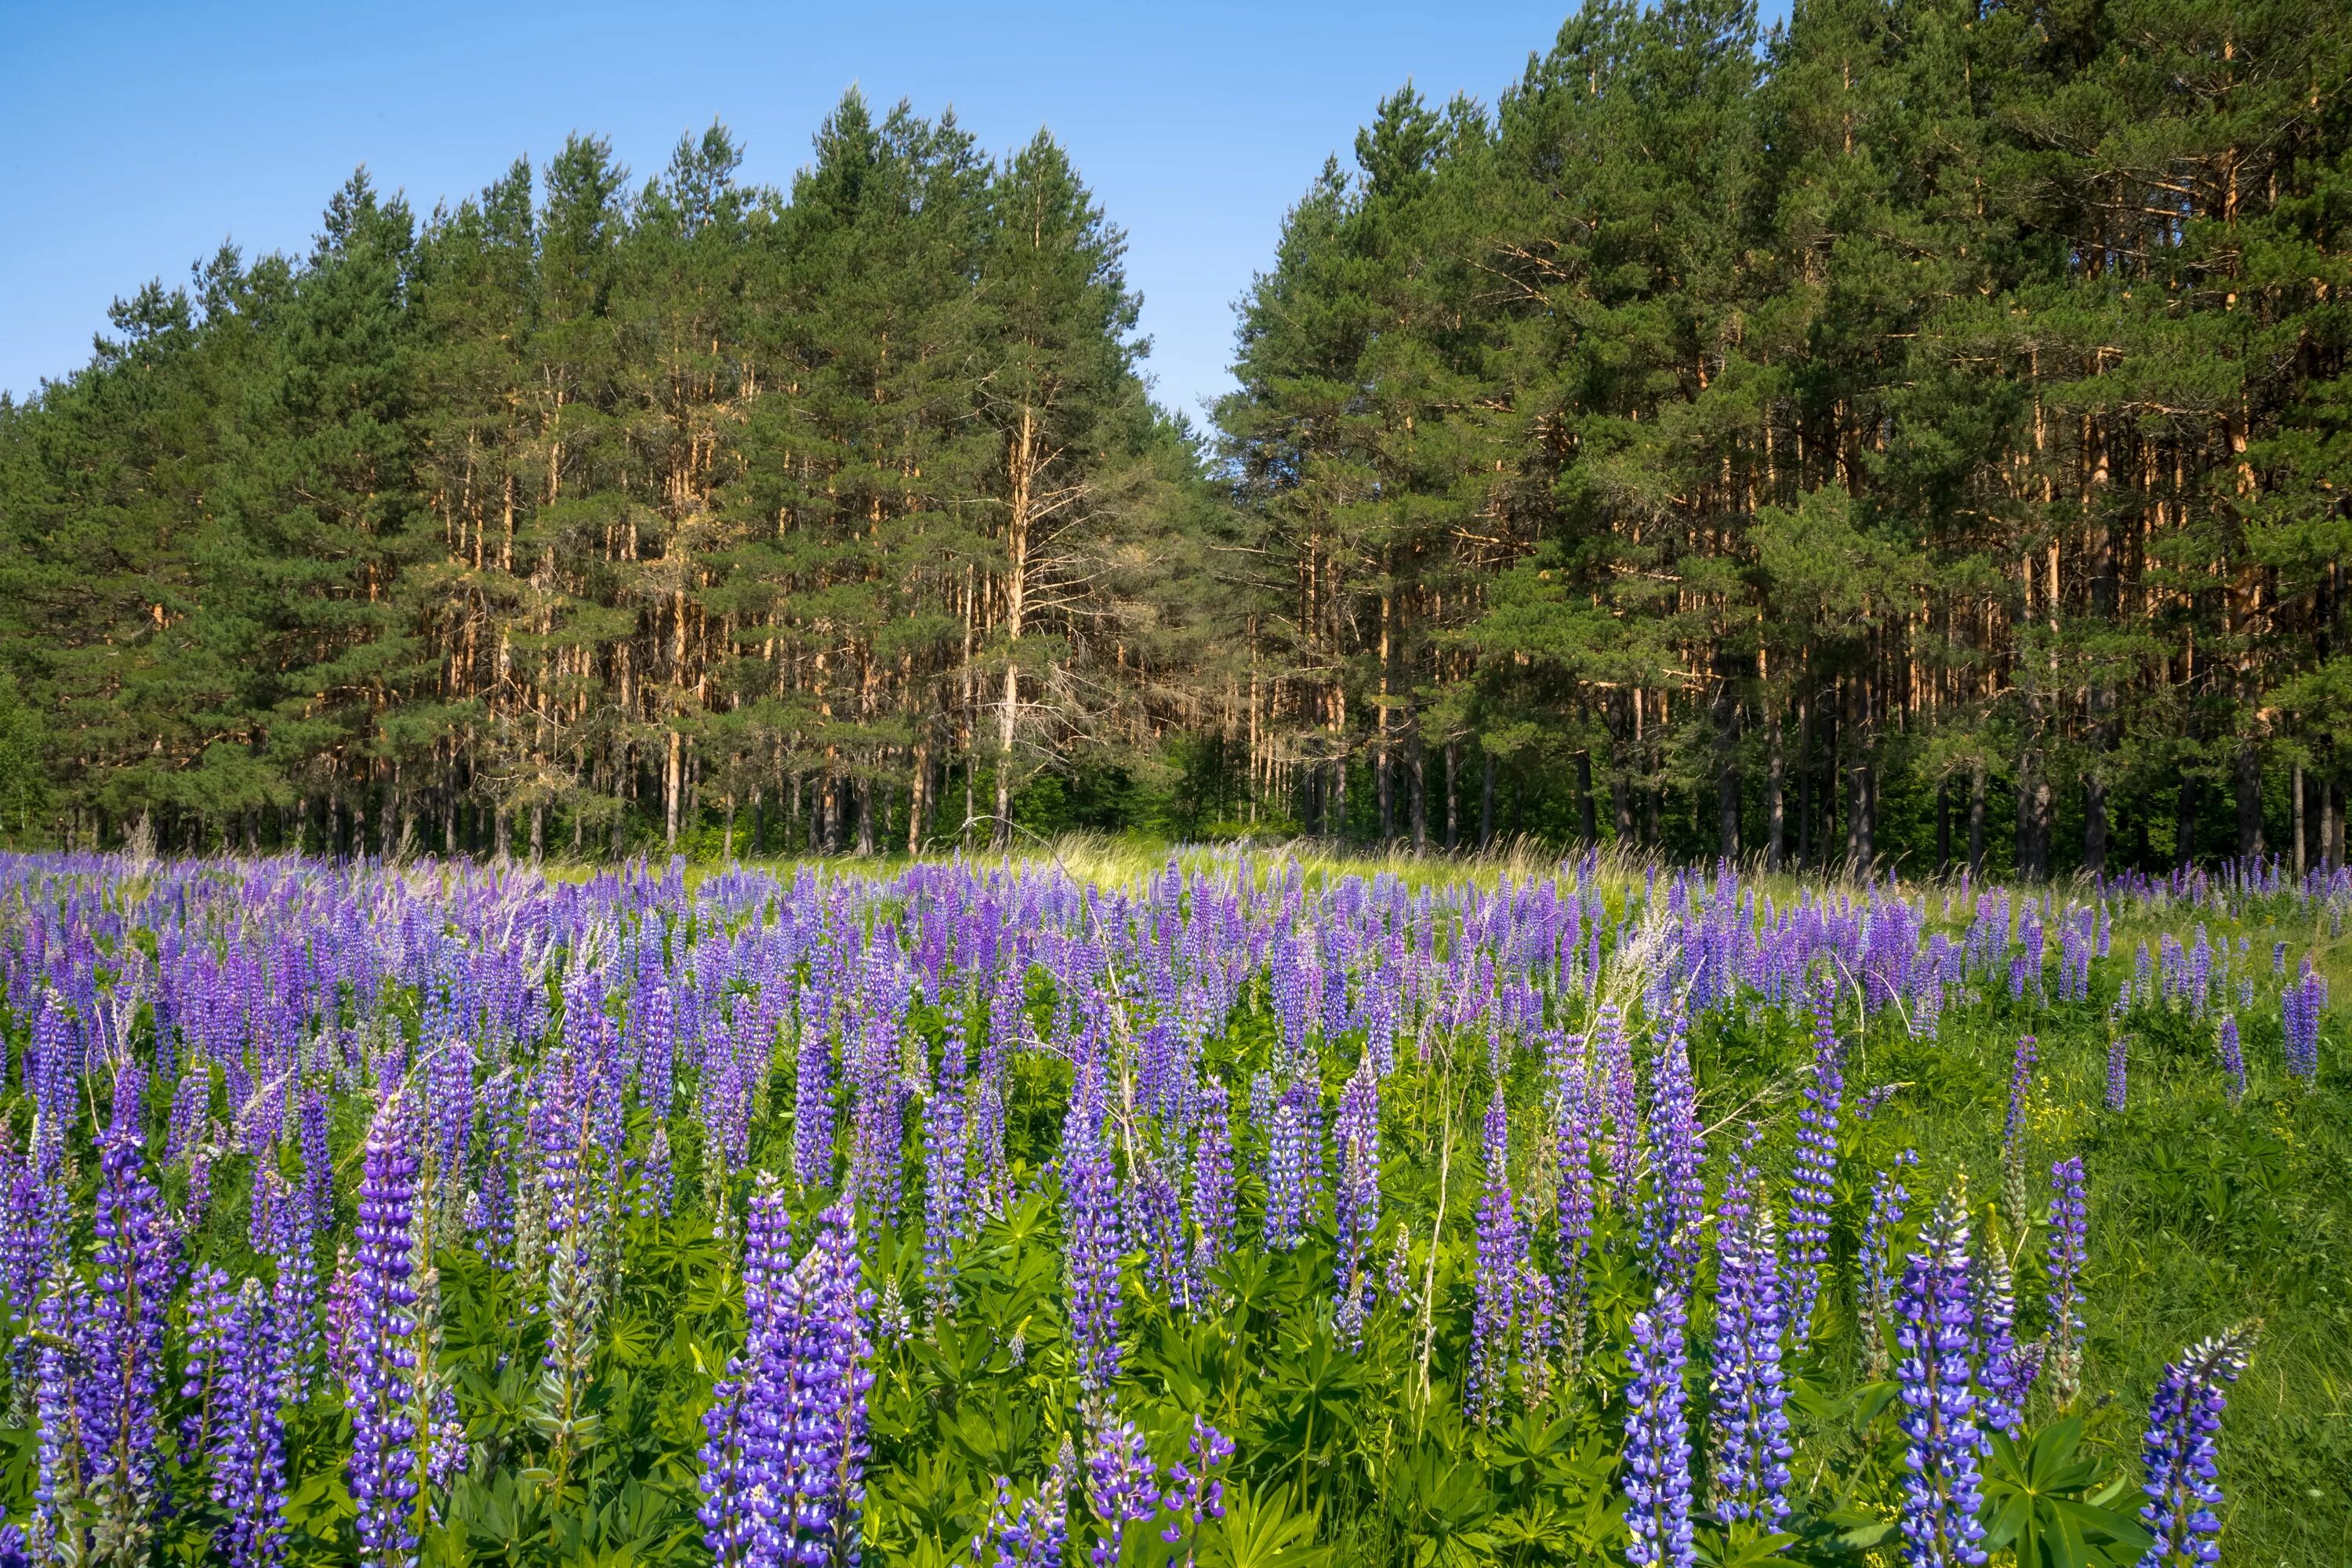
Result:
<point x="1258" y="1531"/>
<point x="2038" y="1502"/>
<point x="1743" y="1545"/>
<point x="1536" y="1531"/>
<point x="1441" y="1506"/>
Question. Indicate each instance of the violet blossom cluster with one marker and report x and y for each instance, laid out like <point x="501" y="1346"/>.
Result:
<point x="1750" y="1422"/>
<point x="2301" y="1006"/>
<point x="1501" y="1248"/>
<point x="785" y="1445"/>
<point x="1090" y="1218"/>
<point x="1812" y="1187"/>
<point x="2180" y="1456"/>
<point x="383" y="1472"/>
<point x="1657" y="1438"/>
<point x="2068" y="1250"/>
<point x="1943" y="1449"/>
<point x="1674" y="1211"/>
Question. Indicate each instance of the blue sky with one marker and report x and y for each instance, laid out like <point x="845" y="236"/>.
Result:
<point x="143" y="135"/>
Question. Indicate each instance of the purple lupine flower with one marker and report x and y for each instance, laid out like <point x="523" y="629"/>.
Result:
<point x="383" y="1352"/>
<point x="656" y="1184"/>
<point x="2183" y="1485"/>
<point x="879" y="1102"/>
<point x="1615" y="1056"/>
<point x="210" y="1297"/>
<point x="26" y="1237"/>
<point x="985" y="1119"/>
<point x="1091" y="1220"/>
<point x="1657" y="1439"/>
<point x="249" y="1446"/>
<point x="1037" y="1533"/>
<point x="746" y="1426"/>
<point x="1213" y="1181"/>
<point x="1500" y="1249"/>
<point x="1887" y="1199"/>
<point x="2068" y="1249"/>
<point x="824" y="1341"/>
<point x="1752" y="1449"/>
<point x="1122" y="1486"/>
<point x="294" y="1293"/>
<point x="1573" y="1140"/>
<point x="1538" y="1337"/>
<point x="2118" y="1048"/>
<point x="2301" y="1006"/>
<point x="947" y="1178"/>
<point x="813" y="1101"/>
<point x="1195" y="1492"/>
<point x="1155" y="1216"/>
<point x="1813" y="1184"/>
<point x="63" y="1397"/>
<point x="1294" y="1165"/>
<point x="1944" y="1449"/>
<point x="136" y="1259"/>
<point x="1357" y="1203"/>
<point x="1673" y="1212"/>
<point x="2014" y="1195"/>
<point x="317" y="1164"/>
<point x="2233" y="1060"/>
<point x="2007" y="1368"/>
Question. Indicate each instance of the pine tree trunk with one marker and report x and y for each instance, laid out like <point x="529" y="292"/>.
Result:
<point x="2249" y="802"/>
<point x="672" y="781"/>
<point x="1726" y="765"/>
<point x="1486" y="802"/>
<point x="538" y="832"/>
<point x="1416" y="781"/>
<point x="1452" y="795"/>
<point x="1775" y="826"/>
<point x="1588" y="831"/>
<point x="1943" y="826"/>
<point x="2095" y="825"/>
<point x="1976" y="821"/>
<point x="2184" y="821"/>
<point x="919" y="778"/>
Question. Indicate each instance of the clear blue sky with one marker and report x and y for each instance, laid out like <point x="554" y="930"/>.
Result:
<point x="141" y="136"/>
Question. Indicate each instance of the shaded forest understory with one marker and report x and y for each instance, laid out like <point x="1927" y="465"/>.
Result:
<point x="1917" y="435"/>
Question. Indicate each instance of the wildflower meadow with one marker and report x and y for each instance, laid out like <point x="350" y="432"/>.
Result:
<point x="1232" y="1209"/>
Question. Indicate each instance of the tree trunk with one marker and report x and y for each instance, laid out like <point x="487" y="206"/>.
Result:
<point x="1943" y="826"/>
<point x="1776" y="827"/>
<point x="1486" y="802"/>
<point x="918" y="793"/>
<point x="2095" y="825"/>
<point x="1727" y="763"/>
<point x="1586" y="829"/>
<point x="538" y="832"/>
<point x="2249" y="802"/>
<point x="2184" y="821"/>
<point x="672" y="778"/>
<point x="1417" y="784"/>
<point x="1976" y="821"/>
<point x="2295" y="804"/>
<point x="1452" y="795"/>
